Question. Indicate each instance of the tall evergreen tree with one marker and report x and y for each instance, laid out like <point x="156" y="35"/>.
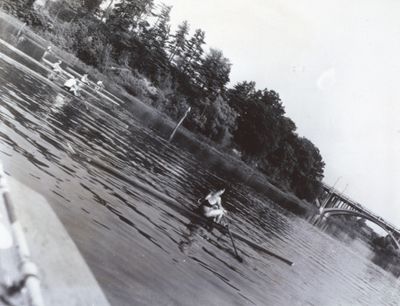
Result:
<point x="178" y="43"/>
<point x="159" y="33"/>
<point x="191" y="58"/>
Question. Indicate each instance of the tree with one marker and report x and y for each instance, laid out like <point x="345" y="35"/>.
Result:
<point x="261" y="124"/>
<point x="92" y="5"/>
<point x="221" y="121"/>
<point x="178" y="43"/>
<point x="127" y="14"/>
<point x="23" y="9"/>
<point x="307" y="176"/>
<point x="158" y="35"/>
<point x="240" y="94"/>
<point x="124" y="26"/>
<point x="88" y="47"/>
<point x="148" y="47"/>
<point x="191" y="58"/>
<point x="214" y="72"/>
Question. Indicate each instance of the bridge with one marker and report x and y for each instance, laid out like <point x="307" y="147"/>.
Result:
<point x="332" y="202"/>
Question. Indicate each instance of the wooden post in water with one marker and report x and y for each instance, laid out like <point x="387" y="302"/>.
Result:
<point x="179" y="123"/>
<point x="20" y="30"/>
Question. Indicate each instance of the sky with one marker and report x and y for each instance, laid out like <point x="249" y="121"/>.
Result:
<point x="336" y="67"/>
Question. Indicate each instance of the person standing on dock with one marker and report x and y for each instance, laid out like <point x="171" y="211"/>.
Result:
<point x="46" y="52"/>
<point x="211" y="206"/>
<point x="84" y="79"/>
<point x="56" y="70"/>
<point x="99" y="86"/>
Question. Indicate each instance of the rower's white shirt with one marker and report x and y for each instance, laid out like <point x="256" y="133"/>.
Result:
<point x="213" y="199"/>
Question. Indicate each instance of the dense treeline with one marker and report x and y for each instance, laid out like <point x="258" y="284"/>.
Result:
<point x="172" y="70"/>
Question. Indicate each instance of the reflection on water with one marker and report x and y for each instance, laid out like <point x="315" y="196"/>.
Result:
<point x="195" y="230"/>
<point x="147" y="251"/>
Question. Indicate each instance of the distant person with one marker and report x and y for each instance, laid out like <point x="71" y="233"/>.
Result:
<point x="56" y="70"/>
<point x="76" y="89"/>
<point x="211" y="206"/>
<point x="84" y="79"/>
<point x="73" y="85"/>
<point x="20" y="39"/>
<point x="99" y="86"/>
<point x="46" y="52"/>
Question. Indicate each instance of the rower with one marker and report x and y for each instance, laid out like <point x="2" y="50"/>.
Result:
<point x="211" y="206"/>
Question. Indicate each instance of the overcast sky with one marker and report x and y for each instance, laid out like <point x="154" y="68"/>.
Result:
<point x="336" y="67"/>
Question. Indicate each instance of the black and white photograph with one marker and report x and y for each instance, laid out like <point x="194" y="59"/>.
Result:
<point x="191" y="153"/>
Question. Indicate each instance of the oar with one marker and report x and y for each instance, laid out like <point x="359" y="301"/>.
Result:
<point x="233" y="244"/>
<point x="256" y="246"/>
<point x="260" y="248"/>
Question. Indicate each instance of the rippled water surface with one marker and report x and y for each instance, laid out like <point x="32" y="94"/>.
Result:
<point x="146" y="251"/>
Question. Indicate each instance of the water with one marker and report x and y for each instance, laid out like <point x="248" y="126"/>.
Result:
<point x="145" y="251"/>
